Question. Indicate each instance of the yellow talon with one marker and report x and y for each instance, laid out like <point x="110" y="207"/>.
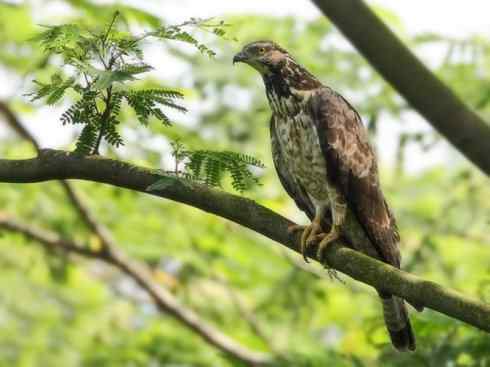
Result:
<point x="293" y="228"/>
<point x="312" y="233"/>
<point x="326" y="239"/>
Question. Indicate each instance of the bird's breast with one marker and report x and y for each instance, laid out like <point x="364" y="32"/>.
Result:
<point x="301" y="147"/>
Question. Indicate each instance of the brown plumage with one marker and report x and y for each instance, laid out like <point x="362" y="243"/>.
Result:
<point x="325" y="163"/>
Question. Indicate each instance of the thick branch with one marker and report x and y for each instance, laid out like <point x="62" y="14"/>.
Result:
<point x="51" y="165"/>
<point x="406" y="73"/>
<point x="165" y="301"/>
<point x="139" y="272"/>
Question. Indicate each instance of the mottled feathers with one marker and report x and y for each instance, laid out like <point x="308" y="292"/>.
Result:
<point x="352" y="168"/>
<point x="294" y="189"/>
<point x="318" y="145"/>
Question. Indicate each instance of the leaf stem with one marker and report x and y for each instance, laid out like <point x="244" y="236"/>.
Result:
<point x="104" y="120"/>
<point x="104" y="40"/>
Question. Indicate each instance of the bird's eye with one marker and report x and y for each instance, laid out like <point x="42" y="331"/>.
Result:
<point x="261" y="50"/>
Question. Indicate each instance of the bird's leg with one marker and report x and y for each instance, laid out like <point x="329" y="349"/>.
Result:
<point x="309" y="234"/>
<point x="339" y="211"/>
<point x="327" y="238"/>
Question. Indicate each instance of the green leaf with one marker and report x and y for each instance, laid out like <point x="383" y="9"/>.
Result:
<point x="58" y="92"/>
<point x="87" y="140"/>
<point x="59" y="39"/>
<point x="211" y="166"/>
<point x="134" y="69"/>
<point x="85" y="67"/>
<point x="107" y="78"/>
<point x="120" y="53"/>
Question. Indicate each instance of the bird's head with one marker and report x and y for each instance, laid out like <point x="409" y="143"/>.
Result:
<point x="264" y="56"/>
<point x="278" y="69"/>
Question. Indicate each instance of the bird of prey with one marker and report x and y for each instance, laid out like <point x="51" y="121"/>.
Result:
<point x="324" y="161"/>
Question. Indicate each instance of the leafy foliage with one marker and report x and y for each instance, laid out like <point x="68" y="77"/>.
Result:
<point x="146" y="103"/>
<point x="100" y="64"/>
<point x="209" y="167"/>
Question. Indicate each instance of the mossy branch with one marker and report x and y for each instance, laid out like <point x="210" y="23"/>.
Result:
<point x="55" y="165"/>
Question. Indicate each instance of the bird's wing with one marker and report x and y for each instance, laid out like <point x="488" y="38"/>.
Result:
<point x="352" y="168"/>
<point x="290" y="184"/>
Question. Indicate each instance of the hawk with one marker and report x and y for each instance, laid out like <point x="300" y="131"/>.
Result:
<point x="324" y="161"/>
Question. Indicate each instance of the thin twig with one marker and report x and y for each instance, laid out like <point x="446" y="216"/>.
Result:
<point x="15" y="124"/>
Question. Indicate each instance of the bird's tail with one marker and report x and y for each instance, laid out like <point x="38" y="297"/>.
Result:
<point x="397" y="322"/>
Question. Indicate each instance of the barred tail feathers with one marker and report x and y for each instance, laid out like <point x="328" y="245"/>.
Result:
<point x="398" y="324"/>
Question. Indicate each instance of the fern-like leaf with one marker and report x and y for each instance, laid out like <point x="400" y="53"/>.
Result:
<point x="82" y="112"/>
<point x="111" y="134"/>
<point x="87" y="139"/>
<point x="211" y="166"/>
<point x="146" y="103"/>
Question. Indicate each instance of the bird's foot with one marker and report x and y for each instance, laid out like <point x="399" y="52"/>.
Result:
<point x="309" y="235"/>
<point x="293" y="228"/>
<point x="312" y="234"/>
<point x="325" y="239"/>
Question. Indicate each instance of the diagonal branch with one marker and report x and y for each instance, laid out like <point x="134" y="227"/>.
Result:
<point x="139" y="272"/>
<point x="15" y="124"/>
<point x="77" y="202"/>
<point x="112" y="254"/>
<point x="53" y="165"/>
<point x="411" y="78"/>
<point x="50" y="239"/>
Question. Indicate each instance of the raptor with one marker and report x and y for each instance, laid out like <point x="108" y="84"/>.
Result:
<point x="324" y="161"/>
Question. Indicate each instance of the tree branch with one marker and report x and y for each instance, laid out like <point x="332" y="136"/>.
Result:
<point x="110" y="252"/>
<point x="139" y="272"/>
<point x="15" y="124"/>
<point x="52" y="164"/>
<point x="77" y="202"/>
<point x="247" y="315"/>
<point x="412" y="79"/>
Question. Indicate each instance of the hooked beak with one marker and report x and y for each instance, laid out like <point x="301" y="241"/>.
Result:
<point x="240" y="57"/>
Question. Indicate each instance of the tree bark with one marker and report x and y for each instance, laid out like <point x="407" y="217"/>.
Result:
<point x="55" y="165"/>
<point x="447" y="113"/>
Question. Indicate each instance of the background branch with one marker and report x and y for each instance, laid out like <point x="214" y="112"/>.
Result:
<point x="52" y="164"/>
<point x="410" y="77"/>
<point x="12" y="120"/>
<point x="140" y="273"/>
<point x="76" y="200"/>
<point x="248" y="315"/>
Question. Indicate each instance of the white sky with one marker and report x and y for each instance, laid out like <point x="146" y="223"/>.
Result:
<point x="456" y="18"/>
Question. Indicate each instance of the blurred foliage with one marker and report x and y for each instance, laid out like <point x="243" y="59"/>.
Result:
<point x="62" y="311"/>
